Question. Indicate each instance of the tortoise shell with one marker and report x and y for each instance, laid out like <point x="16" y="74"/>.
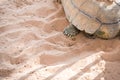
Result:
<point x="93" y="17"/>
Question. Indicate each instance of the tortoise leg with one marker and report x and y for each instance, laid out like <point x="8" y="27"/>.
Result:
<point x="107" y="31"/>
<point x="71" y="31"/>
<point x="90" y="36"/>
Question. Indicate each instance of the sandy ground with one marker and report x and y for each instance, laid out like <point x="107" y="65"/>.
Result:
<point x="33" y="47"/>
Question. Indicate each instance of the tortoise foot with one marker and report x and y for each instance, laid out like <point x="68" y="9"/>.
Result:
<point x="90" y="36"/>
<point x="71" y="31"/>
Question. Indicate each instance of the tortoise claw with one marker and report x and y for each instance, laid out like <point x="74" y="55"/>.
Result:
<point x="71" y="31"/>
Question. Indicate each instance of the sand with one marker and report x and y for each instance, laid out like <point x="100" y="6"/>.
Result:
<point x="33" y="46"/>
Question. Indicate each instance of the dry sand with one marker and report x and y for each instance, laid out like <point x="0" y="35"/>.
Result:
<point x="33" y="47"/>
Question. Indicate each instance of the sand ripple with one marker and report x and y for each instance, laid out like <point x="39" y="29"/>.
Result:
<point x="33" y="47"/>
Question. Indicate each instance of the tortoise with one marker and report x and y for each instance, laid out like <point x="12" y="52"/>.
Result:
<point x="94" y="17"/>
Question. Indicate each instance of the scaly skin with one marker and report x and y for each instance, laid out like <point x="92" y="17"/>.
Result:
<point x="107" y="32"/>
<point x="71" y="31"/>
